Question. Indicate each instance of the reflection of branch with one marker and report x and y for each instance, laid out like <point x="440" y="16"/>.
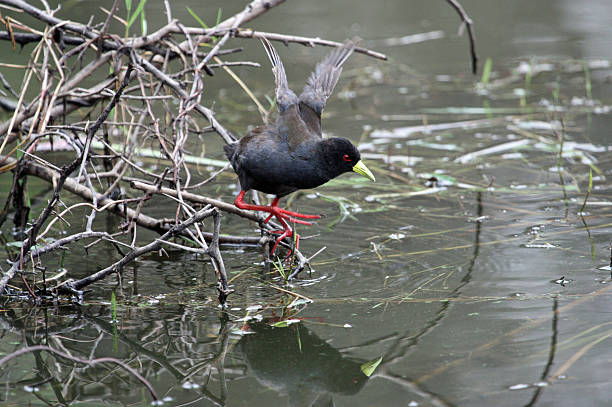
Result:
<point x="551" y="352"/>
<point x="468" y="23"/>
<point x="89" y="362"/>
<point x="532" y="323"/>
<point x="412" y="387"/>
<point x="399" y="349"/>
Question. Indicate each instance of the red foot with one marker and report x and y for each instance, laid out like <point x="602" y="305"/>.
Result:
<point x="280" y="214"/>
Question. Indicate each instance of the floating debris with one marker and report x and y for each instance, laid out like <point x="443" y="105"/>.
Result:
<point x="368" y="367"/>
<point x="434" y="146"/>
<point x="513" y="156"/>
<point x="479" y="219"/>
<point x="397" y="236"/>
<point x="285" y="323"/>
<point x="405" y="132"/>
<point x="407" y="39"/>
<point x="466" y="158"/>
<point x="538" y="125"/>
<point x="545" y="245"/>
<point x="190" y="385"/>
<point x="242" y="332"/>
<point x="520" y="386"/>
<point x="256" y="317"/>
<point x="561" y="281"/>
<point x="533" y="68"/>
<point x="427" y="191"/>
<point x="390" y="159"/>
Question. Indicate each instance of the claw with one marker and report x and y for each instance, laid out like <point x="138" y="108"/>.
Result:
<point x="298" y="215"/>
<point x="282" y="215"/>
<point x="289" y="218"/>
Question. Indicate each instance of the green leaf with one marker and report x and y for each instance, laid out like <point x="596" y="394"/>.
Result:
<point x="298" y="338"/>
<point x="285" y="323"/>
<point x="114" y="306"/>
<point x="136" y="13"/>
<point x="368" y="367"/>
<point x="218" y="17"/>
<point x="143" y="23"/>
<point x="486" y="71"/>
<point x="196" y="17"/>
<point x="586" y="197"/>
<point x="587" y="81"/>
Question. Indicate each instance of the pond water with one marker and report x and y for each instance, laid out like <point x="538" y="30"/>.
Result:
<point x="490" y="287"/>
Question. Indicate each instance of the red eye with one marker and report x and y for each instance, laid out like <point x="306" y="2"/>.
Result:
<point x="345" y="157"/>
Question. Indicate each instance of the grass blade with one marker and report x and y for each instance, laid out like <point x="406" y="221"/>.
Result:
<point x="586" y="197"/>
<point x="196" y="17"/>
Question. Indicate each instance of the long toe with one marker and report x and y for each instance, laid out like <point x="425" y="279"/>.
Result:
<point x="269" y="217"/>
<point x="301" y="222"/>
<point x="286" y="215"/>
<point x="299" y="215"/>
<point x="278" y="240"/>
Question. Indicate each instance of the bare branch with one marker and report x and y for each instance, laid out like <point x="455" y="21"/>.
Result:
<point x="468" y="23"/>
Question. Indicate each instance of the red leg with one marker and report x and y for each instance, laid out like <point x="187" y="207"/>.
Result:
<point x="281" y="215"/>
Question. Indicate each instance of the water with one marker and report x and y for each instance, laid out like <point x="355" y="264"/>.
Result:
<point x="458" y="291"/>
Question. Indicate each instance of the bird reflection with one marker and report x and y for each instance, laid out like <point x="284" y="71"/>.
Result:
<point x="298" y="364"/>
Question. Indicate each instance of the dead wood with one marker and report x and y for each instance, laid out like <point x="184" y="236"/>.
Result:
<point x="153" y="86"/>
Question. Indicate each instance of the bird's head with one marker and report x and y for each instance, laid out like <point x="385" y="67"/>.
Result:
<point x="340" y="156"/>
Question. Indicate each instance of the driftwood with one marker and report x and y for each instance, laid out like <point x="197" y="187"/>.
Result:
<point x="154" y="91"/>
<point x="140" y="85"/>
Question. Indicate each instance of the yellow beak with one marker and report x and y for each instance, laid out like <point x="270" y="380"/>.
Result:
<point x="361" y="169"/>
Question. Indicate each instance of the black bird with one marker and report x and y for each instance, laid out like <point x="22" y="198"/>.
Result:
<point x="292" y="154"/>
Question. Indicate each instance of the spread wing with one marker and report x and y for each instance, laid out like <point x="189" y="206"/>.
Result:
<point x="321" y="84"/>
<point x="285" y="97"/>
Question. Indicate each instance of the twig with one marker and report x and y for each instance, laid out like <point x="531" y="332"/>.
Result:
<point x="468" y="23"/>
<point x="157" y="225"/>
<point x="102" y="118"/>
<point x="196" y="199"/>
<point x="293" y="293"/>
<point x="308" y="41"/>
<point x="155" y="245"/>
<point x="66" y="171"/>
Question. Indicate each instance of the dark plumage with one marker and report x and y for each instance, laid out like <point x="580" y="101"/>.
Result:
<point x="291" y="154"/>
